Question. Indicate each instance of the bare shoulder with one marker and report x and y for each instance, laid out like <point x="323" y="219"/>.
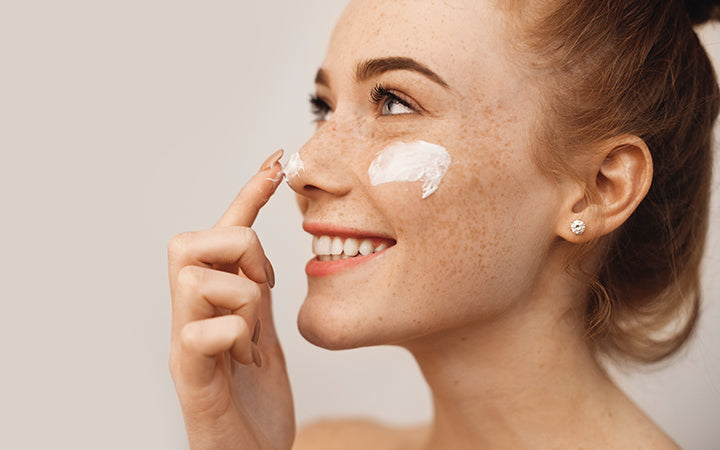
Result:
<point x="649" y="435"/>
<point x="633" y="428"/>
<point x="357" y="433"/>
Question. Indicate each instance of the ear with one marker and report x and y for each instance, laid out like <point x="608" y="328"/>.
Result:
<point x="613" y="181"/>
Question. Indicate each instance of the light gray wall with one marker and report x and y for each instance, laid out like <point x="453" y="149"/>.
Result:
<point x="123" y="123"/>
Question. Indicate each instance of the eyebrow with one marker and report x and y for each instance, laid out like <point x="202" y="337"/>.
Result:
<point x="322" y="78"/>
<point x="374" y="67"/>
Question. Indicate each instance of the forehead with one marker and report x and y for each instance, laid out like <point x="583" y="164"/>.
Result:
<point x="461" y="40"/>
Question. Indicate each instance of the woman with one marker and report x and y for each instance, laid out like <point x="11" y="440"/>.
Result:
<point x="562" y="222"/>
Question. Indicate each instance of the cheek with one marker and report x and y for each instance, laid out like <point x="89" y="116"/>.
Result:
<point x="415" y="161"/>
<point x="471" y="248"/>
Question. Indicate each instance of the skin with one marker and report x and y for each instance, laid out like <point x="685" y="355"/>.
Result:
<point x="475" y="287"/>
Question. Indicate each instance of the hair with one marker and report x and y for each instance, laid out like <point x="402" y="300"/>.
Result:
<point x="613" y="67"/>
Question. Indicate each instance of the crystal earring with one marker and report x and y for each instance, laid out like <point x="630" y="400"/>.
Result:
<point x="577" y="227"/>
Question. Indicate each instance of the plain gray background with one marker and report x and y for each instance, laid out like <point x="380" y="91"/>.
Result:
<point x="124" y="123"/>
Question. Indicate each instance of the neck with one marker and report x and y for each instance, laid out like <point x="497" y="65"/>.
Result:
<point x="523" y="378"/>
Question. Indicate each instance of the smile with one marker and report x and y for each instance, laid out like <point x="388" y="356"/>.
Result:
<point x="333" y="248"/>
<point x="338" y="249"/>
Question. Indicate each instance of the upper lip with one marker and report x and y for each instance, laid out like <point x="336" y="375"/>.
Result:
<point x="327" y="229"/>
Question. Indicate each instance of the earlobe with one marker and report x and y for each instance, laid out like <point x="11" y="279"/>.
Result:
<point x="616" y="179"/>
<point x="579" y="224"/>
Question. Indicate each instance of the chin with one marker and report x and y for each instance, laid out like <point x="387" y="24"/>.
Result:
<point x="325" y="327"/>
<point x="338" y="324"/>
<point x="335" y="324"/>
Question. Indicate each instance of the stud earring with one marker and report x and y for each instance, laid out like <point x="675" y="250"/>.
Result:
<point x="577" y="227"/>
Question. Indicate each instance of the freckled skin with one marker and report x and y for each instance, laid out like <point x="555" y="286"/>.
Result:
<point x="463" y="254"/>
<point x="475" y="287"/>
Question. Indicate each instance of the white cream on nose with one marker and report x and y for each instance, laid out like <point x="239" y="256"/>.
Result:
<point x="410" y="162"/>
<point x="293" y="167"/>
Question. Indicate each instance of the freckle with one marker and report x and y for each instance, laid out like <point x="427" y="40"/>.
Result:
<point x="463" y="339"/>
<point x="380" y="318"/>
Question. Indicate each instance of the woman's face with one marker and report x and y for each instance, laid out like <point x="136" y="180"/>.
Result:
<point x="472" y="250"/>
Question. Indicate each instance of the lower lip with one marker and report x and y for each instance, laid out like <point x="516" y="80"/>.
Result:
<point x="317" y="268"/>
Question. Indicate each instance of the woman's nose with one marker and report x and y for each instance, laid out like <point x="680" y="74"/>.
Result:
<point x="321" y="166"/>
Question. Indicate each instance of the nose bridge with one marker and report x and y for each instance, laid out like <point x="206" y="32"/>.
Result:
<point x="327" y="160"/>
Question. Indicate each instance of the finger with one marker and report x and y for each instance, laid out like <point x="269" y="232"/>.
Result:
<point x="236" y="247"/>
<point x="267" y="335"/>
<point x="254" y="195"/>
<point x="201" y="291"/>
<point x="256" y="332"/>
<point x="202" y="341"/>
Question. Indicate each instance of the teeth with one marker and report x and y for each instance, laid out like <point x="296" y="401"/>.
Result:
<point x="351" y="246"/>
<point x="366" y="247"/>
<point x="333" y="248"/>
<point x="324" y="245"/>
<point x="337" y="246"/>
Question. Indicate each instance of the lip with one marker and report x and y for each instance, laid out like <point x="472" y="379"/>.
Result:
<point x="317" y="268"/>
<point x="326" y="229"/>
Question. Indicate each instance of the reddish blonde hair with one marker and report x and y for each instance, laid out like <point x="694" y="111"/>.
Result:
<point x="608" y="68"/>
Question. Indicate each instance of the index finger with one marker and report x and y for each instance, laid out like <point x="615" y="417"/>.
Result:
<point x="254" y="195"/>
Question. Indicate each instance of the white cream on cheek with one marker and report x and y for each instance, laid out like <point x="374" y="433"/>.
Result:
<point x="409" y="162"/>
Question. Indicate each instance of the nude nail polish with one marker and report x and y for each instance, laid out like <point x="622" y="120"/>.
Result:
<point x="275" y="157"/>
<point x="257" y="356"/>
<point x="269" y="273"/>
<point x="256" y="332"/>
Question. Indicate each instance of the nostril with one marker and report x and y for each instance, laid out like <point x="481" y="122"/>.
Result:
<point x="311" y="188"/>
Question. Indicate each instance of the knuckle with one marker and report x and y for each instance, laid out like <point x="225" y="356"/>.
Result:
<point x="190" y="278"/>
<point x="190" y="335"/>
<point x="178" y="244"/>
<point x="239" y="327"/>
<point x="246" y="234"/>
<point x="250" y="296"/>
<point x="255" y="293"/>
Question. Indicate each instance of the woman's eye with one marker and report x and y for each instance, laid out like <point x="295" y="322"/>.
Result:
<point x="321" y="111"/>
<point x="389" y="103"/>
<point x="393" y="106"/>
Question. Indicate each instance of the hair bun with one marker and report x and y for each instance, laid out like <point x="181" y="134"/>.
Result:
<point x="701" y="11"/>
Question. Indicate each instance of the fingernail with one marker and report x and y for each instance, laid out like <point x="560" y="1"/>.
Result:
<point x="256" y="333"/>
<point x="275" y="157"/>
<point x="269" y="273"/>
<point x="257" y="356"/>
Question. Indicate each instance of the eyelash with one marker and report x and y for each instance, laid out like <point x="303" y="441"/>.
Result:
<point x="379" y="94"/>
<point x="320" y="108"/>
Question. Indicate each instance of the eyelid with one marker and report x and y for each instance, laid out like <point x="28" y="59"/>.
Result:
<point x="316" y="99"/>
<point x="379" y="93"/>
<point x="320" y="107"/>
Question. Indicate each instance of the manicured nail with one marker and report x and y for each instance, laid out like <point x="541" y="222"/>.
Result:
<point x="256" y="333"/>
<point x="269" y="273"/>
<point x="257" y="356"/>
<point x="275" y="157"/>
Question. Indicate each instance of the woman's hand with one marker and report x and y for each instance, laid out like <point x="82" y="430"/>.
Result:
<point x="225" y="357"/>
